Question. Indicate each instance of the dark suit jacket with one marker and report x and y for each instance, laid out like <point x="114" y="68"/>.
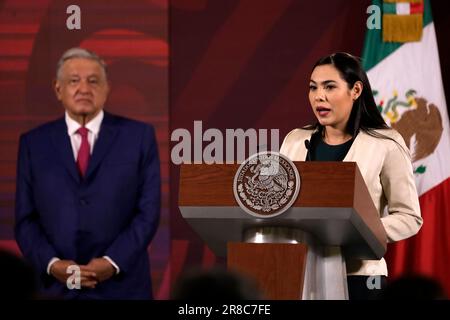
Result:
<point x="113" y="211"/>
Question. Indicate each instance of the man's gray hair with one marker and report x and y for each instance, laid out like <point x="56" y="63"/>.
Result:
<point x="78" y="53"/>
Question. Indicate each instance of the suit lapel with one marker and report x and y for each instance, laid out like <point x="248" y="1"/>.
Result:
<point x="61" y="141"/>
<point x="107" y="133"/>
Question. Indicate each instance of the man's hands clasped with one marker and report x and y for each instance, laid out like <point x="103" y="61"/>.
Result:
<point x="97" y="270"/>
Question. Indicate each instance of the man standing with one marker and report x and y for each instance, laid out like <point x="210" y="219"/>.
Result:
<point x="88" y="191"/>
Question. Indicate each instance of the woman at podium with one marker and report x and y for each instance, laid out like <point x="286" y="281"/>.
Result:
<point x="349" y="127"/>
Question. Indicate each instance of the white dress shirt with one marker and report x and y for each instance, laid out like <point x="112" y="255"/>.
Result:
<point x="93" y="127"/>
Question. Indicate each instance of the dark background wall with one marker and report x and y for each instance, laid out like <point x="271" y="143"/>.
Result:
<point x="441" y="16"/>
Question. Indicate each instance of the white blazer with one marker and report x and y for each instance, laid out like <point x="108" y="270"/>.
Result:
<point x="387" y="171"/>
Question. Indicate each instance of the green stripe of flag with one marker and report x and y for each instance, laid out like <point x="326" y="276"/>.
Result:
<point x="389" y="8"/>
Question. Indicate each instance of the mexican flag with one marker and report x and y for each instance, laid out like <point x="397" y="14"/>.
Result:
<point x="403" y="66"/>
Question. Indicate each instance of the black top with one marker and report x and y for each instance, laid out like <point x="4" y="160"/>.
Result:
<point x="321" y="151"/>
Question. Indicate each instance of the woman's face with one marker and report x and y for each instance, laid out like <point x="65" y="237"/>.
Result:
<point x="330" y="97"/>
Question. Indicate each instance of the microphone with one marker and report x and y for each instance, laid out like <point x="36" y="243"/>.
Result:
<point x="308" y="148"/>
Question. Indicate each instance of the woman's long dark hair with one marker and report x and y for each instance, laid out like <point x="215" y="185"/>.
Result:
<point x="364" y="115"/>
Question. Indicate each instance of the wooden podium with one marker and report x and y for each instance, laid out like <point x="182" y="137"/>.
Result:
<point x="298" y="254"/>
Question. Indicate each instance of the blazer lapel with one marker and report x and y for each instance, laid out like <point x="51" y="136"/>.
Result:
<point x="350" y="156"/>
<point x="106" y="136"/>
<point x="61" y="141"/>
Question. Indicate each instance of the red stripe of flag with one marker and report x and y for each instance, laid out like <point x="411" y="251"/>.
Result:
<point x="416" y="7"/>
<point x="427" y="253"/>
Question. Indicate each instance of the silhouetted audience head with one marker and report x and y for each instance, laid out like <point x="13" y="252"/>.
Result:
<point x="18" y="278"/>
<point x="214" y="285"/>
<point x="413" y="287"/>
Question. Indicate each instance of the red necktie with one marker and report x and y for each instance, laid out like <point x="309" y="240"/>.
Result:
<point x="84" y="152"/>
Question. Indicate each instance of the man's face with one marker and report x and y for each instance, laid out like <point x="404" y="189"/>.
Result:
<point x="82" y="87"/>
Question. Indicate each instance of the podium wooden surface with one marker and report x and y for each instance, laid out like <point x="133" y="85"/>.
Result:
<point x="324" y="184"/>
<point x="278" y="268"/>
<point x="333" y="208"/>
